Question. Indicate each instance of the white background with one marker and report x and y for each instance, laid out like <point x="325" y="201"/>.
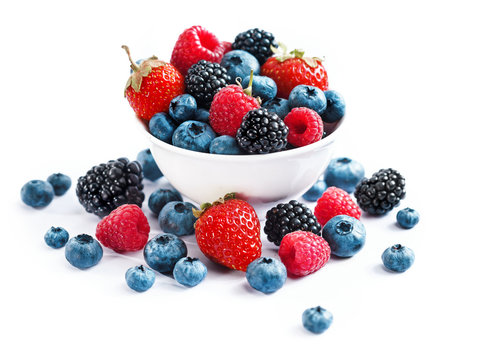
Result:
<point x="412" y="76"/>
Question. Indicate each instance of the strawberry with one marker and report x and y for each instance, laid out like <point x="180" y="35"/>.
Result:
<point x="293" y="69"/>
<point x="228" y="232"/>
<point x="151" y="86"/>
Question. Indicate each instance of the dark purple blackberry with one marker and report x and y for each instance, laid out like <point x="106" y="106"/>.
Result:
<point x="262" y="132"/>
<point x="257" y="42"/>
<point x="380" y="193"/>
<point x="286" y="218"/>
<point x="204" y="79"/>
<point x="107" y="186"/>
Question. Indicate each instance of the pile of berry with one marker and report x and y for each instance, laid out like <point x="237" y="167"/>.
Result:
<point x="246" y="97"/>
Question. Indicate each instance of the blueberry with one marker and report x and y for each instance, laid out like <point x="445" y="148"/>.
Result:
<point x="262" y="86"/>
<point x="163" y="251"/>
<point x="60" y="182"/>
<point x="140" y="278"/>
<point x="83" y="251"/>
<point x="226" y="145"/>
<point x="159" y="198"/>
<point x="148" y="164"/>
<point x="407" y="218"/>
<point x="201" y="115"/>
<point x="308" y="96"/>
<point x="279" y="106"/>
<point x="56" y="237"/>
<point x="315" y="191"/>
<point x="317" y="320"/>
<point x="336" y="107"/>
<point x="239" y="63"/>
<point x="162" y="127"/>
<point x="398" y="258"/>
<point x="194" y="135"/>
<point x="344" y="173"/>
<point x="182" y="108"/>
<point x="37" y="193"/>
<point x="177" y="218"/>
<point x="345" y="235"/>
<point x="189" y="271"/>
<point x="266" y="274"/>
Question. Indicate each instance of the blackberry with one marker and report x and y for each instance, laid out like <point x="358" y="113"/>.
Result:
<point x="287" y="218"/>
<point x="257" y="42"/>
<point x="204" y="79"/>
<point x="380" y="193"/>
<point x="107" y="186"/>
<point x="262" y="132"/>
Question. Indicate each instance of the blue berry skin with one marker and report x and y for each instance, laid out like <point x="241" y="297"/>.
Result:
<point x="345" y="235"/>
<point x="140" y="278"/>
<point x="194" y="135"/>
<point x="189" y="271"/>
<point x="149" y="166"/>
<point x="239" y="63"/>
<point x="308" y="96"/>
<point x="279" y="106"/>
<point x="201" y="115"/>
<point x="56" y="237"/>
<point x="407" y="218"/>
<point x="266" y="274"/>
<point x="344" y="173"/>
<point x="315" y="191"/>
<point x="83" y="251"/>
<point x="162" y="127"/>
<point x="163" y="251"/>
<point x="317" y="319"/>
<point x="183" y="108"/>
<point x="60" y="182"/>
<point x="37" y="193"/>
<point x="159" y="198"/>
<point x="177" y="218"/>
<point x="336" y="107"/>
<point x="225" y="145"/>
<point x="398" y="258"/>
<point x="262" y="86"/>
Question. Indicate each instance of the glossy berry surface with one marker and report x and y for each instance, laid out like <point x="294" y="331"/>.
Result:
<point x="150" y="169"/>
<point x="398" y="258"/>
<point x="336" y="107"/>
<point x="278" y="106"/>
<point x="60" y="182"/>
<point x="317" y="319"/>
<point x="140" y="278"/>
<point x="162" y="127"/>
<point x="381" y="192"/>
<point x="266" y="275"/>
<point x="256" y="41"/>
<point x="225" y="145"/>
<point x="109" y="185"/>
<point x="407" y="218"/>
<point x="262" y="86"/>
<point x="305" y="127"/>
<point x="193" y="135"/>
<point x="344" y="173"/>
<point x="202" y="115"/>
<point x="163" y="251"/>
<point x="83" y="251"/>
<point x="189" y="271"/>
<point x="239" y="63"/>
<point x="182" y="108"/>
<point x="37" y="193"/>
<point x="56" y="237"/>
<point x="308" y="96"/>
<point x="177" y="218"/>
<point x="159" y="198"/>
<point x="335" y="202"/>
<point x="285" y="218"/>
<point x="315" y="191"/>
<point x="345" y="235"/>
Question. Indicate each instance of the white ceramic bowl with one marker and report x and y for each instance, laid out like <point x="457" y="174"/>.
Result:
<point x="260" y="179"/>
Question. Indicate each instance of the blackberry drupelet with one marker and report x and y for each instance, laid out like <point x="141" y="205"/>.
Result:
<point x="380" y="193"/>
<point x="262" y="132"/>
<point x="204" y="79"/>
<point x="287" y="218"/>
<point x="109" y="185"/>
<point x="257" y="42"/>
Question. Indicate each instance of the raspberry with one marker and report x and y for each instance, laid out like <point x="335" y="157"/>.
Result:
<point x="305" y="126"/>
<point x="303" y="252"/>
<point x="195" y="44"/>
<point x="227" y="46"/>
<point x="125" y="229"/>
<point x="335" y="202"/>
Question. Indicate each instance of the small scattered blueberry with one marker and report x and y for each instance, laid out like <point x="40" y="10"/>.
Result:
<point x="266" y="274"/>
<point x="201" y="115"/>
<point x="37" y="193"/>
<point x="140" y="278"/>
<point x="194" y="135"/>
<point x="149" y="166"/>
<point x="307" y="96"/>
<point x="398" y="258"/>
<point x="279" y="106"/>
<point x="407" y="218"/>
<point x="60" y="182"/>
<point x="315" y="191"/>
<point x="317" y="319"/>
<point x="56" y="237"/>
<point x="163" y="251"/>
<point x="162" y="127"/>
<point x="344" y="173"/>
<point x="262" y="86"/>
<point x="189" y="271"/>
<point x="239" y="63"/>
<point x="226" y="145"/>
<point x="83" y="251"/>
<point x="177" y="218"/>
<point x="345" y="235"/>
<point x="182" y="108"/>
<point x="336" y="107"/>
<point x="159" y="198"/>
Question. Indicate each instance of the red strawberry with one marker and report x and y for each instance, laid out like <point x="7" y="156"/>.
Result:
<point x="333" y="202"/>
<point x="305" y="126"/>
<point x="195" y="44"/>
<point x="289" y="71"/>
<point x="151" y="86"/>
<point x="228" y="232"/>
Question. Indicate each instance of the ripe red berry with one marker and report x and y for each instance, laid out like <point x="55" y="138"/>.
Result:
<point x="124" y="229"/>
<point x="305" y="126"/>
<point x="195" y="44"/>
<point x="303" y="252"/>
<point x="227" y="46"/>
<point x="333" y="202"/>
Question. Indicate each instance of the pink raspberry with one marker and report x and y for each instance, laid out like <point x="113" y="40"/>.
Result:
<point x="303" y="252"/>
<point x="333" y="202"/>
<point x="305" y="126"/>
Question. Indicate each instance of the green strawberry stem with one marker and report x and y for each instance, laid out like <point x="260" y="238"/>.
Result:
<point x="205" y="206"/>
<point x="248" y="90"/>
<point x="133" y="65"/>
